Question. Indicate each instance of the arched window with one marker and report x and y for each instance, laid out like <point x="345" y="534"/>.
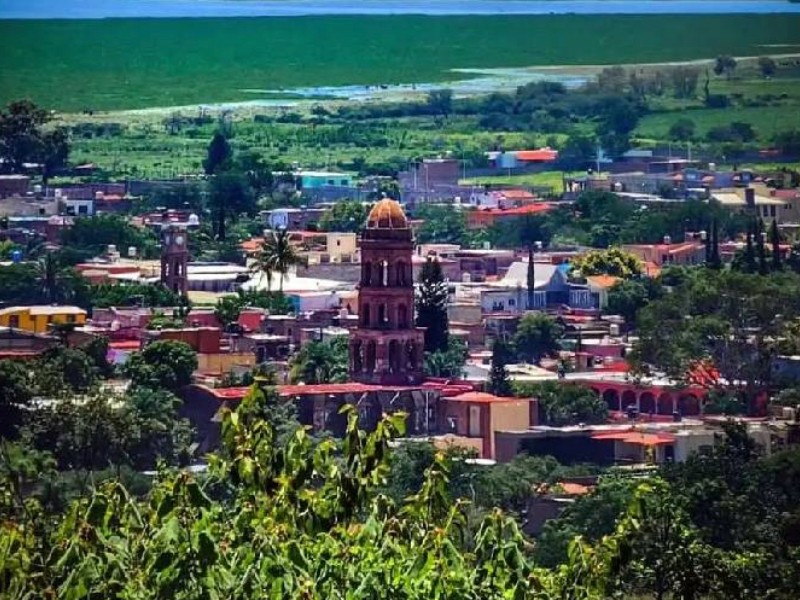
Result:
<point x="411" y="355"/>
<point x="395" y="356"/>
<point x="401" y="273"/>
<point x="358" y="361"/>
<point x="366" y="274"/>
<point x="402" y="317"/>
<point x="370" y="356"/>
<point x="365" y="316"/>
<point x="382" y="320"/>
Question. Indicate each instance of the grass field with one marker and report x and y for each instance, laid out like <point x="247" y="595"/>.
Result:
<point x="140" y="63"/>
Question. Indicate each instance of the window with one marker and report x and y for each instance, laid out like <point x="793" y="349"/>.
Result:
<point x="452" y="424"/>
<point x="70" y="318"/>
<point x="13" y="321"/>
<point x="331" y="182"/>
<point x="772" y="211"/>
<point x="83" y="210"/>
<point x="511" y="302"/>
<point x="338" y="242"/>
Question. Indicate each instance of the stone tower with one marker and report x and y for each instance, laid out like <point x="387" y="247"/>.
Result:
<point x="386" y="348"/>
<point x="174" y="258"/>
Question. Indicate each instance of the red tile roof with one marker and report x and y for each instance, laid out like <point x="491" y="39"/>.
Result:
<point x="338" y="388"/>
<point x="528" y="209"/>
<point x="480" y="398"/>
<point x="541" y="155"/>
<point x="125" y="345"/>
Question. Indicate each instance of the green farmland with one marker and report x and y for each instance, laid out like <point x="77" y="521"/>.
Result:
<point x="140" y="63"/>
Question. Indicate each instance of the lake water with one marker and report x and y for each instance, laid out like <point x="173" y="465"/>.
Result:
<point x="98" y="9"/>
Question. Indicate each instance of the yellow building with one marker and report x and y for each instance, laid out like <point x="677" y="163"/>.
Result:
<point x="38" y="318"/>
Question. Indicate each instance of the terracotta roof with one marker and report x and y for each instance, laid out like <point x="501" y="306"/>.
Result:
<point x="125" y="345"/>
<point x="252" y="245"/>
<point x="517" y="194"/>
<point x="603" y="281"/>
<point x="480" y="398"/>
<point x="338" y="388"/>
<point x="636" y="437"/>
<point x="573" y="489"/>
<point x="542" y="155"/>
<point x="528" y="209"/>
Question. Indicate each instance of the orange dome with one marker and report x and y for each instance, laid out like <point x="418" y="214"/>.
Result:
<point x="387" y="214"/>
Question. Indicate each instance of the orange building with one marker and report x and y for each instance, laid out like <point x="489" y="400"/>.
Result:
<point x="471" y="419"/>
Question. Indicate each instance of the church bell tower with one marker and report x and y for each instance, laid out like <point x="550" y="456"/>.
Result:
<point x="174" y="258"/>
<point x="386" y="348"/>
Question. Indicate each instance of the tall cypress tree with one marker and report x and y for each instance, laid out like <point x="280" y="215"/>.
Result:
<point x="499" y="383"/>
<point x="775" y="239"/>
<point x="714" y="260"/>
<point x="763" y="267"/>
<point x="431" y="304"/>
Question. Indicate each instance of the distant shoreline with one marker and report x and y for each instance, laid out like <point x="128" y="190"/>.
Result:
<point x="120" y="9"/>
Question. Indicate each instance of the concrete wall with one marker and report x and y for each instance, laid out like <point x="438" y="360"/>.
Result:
<point x="508" y="416"/>
<point x="224" y="362"/>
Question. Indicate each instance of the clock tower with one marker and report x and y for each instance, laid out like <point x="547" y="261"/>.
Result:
<point x="174" y="258"/>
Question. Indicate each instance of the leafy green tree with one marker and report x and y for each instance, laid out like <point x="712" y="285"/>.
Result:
<point x="440" y="102"/>
<point x="775" y="240"/>
<point x="67" y="370"/>
<point x="591" y="516"/>
<point x="227" y="311"/>
<point x="275" y="302"/>
<point x="431" y="305"/>
<point x="447" y="363"/>
<point x="15" y="394"/>
<point x="732" y="319"/>
<point x="346" y="216"/>
<point x="725" y="65"/>
<point x="443" y="224"/>
<point x="767" y="66"/>
<point x="91" y="236"/>
<point x="277" y="255"/>
<point x="499" y="383"/>
<point x="537" y="335"/>
<point x="218" y="155"/>
<point x="257" y="171"/>
<point x="133" y="294"/>
<point x="264" y="402"/>
<point x="321" y="362"/>
<point x="25" y="139"/>
<point x="160" y="435"/>
<point x="682" y="130"/>
<point x="229" y="196"/>
<point x="164" y="364"/>
<point x="629" y="296"/>
<point x="613" y="261"/>
<point x="87" y="436"/>
<point x="296" y="520"/>
<point x="563" y="404"/>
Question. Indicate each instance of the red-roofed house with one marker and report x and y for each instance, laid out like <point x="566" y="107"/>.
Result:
<point x="482" y="218"/>
<point x="477" y="416"/>
<point x="685" y="253"/>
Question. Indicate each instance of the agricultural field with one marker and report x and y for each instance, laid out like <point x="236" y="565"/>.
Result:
<point x="121" y="64"/>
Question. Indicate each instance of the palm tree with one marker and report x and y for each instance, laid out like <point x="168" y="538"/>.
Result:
<point x="277" y="255"/>
<point x="48" y="273"/>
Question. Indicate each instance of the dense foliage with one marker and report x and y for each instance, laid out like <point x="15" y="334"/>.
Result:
<point x="299" y="519"/>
